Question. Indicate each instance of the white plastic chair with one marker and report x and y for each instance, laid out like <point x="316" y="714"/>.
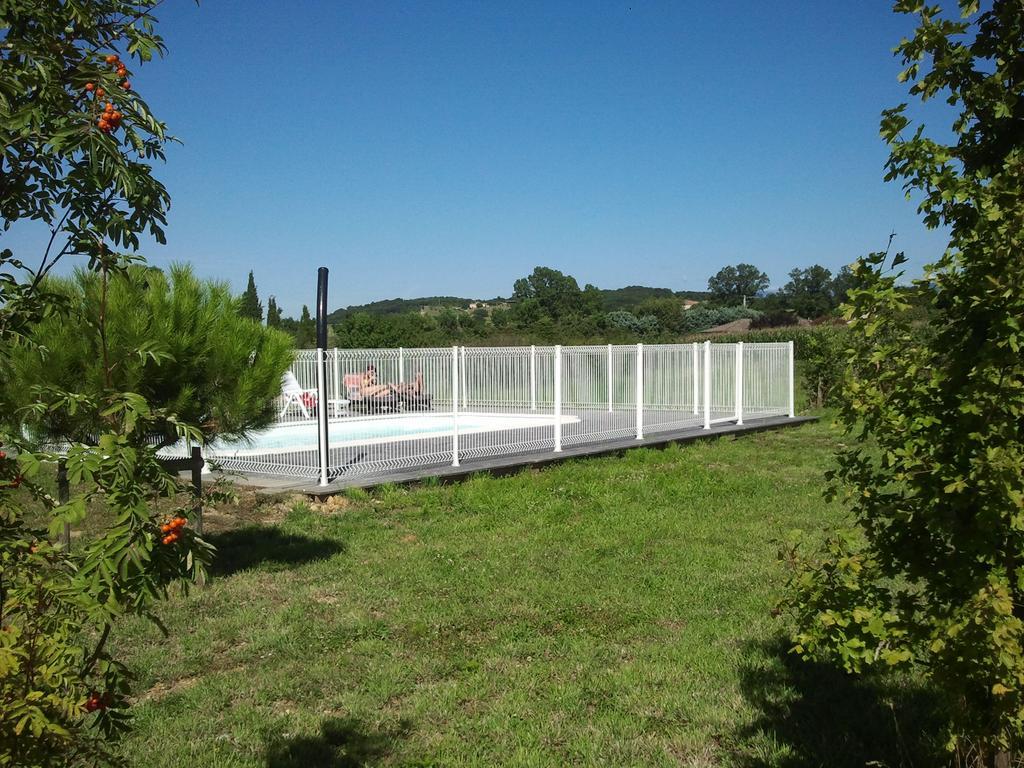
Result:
<point x="292" y="392"/>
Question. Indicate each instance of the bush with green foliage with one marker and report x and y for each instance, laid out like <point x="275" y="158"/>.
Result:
<point x="626" y="321"/>
<point x="933" y="575"/>
<point x="819" y="350"/>
<point x="823" y="357"/>
<point x="776" y="318"/>
<point x="176" y="341"/>
<point x="702" y="318"/>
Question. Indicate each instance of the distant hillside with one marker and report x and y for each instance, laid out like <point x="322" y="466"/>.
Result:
<point x="614" y="299"/>
<point x="400" y="306"/>
<point x="611" y="300"/>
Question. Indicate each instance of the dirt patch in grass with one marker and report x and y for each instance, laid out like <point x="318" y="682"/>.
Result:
<point x="163" y="689"/>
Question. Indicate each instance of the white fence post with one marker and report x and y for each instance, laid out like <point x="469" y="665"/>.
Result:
<point x="337" y="377"/>
<point x="465" y="401"/>
<point x="739" y="382"/>
<point x="610" y="389"/>
<point x="455" y="406"/>
<point x="639" y="391"/>
<point x="696" y="381"/>
<point x="533" y="377"/>
<point x="707" y="385"/>
<point x="558" y="398"/>
<point x="401" y="364"/>
<point x="792" y="383"/>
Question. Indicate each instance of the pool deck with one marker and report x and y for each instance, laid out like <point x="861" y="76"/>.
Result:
<point x="498" y="465"/>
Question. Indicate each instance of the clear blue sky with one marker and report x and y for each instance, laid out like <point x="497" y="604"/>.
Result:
<point x="421" y="148"/>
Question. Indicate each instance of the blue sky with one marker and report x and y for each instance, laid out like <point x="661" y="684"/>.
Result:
<point x="421" y="148"/>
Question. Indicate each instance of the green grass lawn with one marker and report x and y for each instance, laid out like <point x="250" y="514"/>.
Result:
<point x="611" y="611"/>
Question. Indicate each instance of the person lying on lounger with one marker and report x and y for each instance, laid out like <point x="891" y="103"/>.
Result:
<point x="414" y="387"/>
<point x="370" y="387"/>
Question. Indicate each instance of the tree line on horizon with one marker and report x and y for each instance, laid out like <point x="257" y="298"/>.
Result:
<point x="548" y="306"/>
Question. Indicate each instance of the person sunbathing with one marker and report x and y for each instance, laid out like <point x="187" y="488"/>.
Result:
<point x="370" y="387"/>
<point x="414" y="387"/>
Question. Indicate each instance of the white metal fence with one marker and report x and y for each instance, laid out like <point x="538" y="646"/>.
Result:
<point x="448" y="405"/>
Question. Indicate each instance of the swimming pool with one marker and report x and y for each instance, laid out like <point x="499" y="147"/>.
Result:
<point x="376" y="431"/>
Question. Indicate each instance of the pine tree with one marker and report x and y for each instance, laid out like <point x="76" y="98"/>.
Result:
<point x="250" y="303"/>
<point x="171" y="314"/>
<point x="273" y="313"/>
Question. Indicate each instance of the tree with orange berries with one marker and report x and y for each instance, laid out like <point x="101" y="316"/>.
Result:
<point x="79" y="144"/>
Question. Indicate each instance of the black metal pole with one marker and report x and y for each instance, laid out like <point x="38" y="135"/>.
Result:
<point x="321" y="308"/>
<point x="321" y="372"/>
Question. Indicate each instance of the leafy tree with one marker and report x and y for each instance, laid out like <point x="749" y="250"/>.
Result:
<point x="273" y="313"/>
<point x="250" y="305"/>
<point x="934" y="574"/>
<point x="730" y="284"/>
<point x="174" y="340"/>
<point x="632" y="296"/>
<point x="500" y="318"/>
<point x="526" y="313"/>
<point x="842" y="284"/>
<point x="809" y="292"/>
<point x="82" y="170"/>
<point x="667" y="311"/>
<point x="556" y="294"/>
<point x="591" y="300"/>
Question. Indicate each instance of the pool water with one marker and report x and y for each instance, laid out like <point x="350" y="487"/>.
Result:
<point x="376" y="430"/>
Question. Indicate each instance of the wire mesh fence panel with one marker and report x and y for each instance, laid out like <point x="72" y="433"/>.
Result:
<point x="721" y="394"/>
<point x="506" y="405"/>
<point x="395" y="410"/>
<point x="598" y="386"/>
<point x="766" y="386"/>
<point x="670" y="392"/>
<point x="397" y="413"/>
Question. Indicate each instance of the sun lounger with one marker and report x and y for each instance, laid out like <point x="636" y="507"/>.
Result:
<point x="382" y="402"/>
<point x="294" y="394"/>
<point x="416" y="401"/>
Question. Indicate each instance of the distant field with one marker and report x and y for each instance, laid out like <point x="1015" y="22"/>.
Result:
<point x="610" y="611"/>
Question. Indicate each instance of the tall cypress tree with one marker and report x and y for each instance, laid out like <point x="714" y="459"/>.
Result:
<point x="273" y="313"/>
<point x="305" y="334"/>
<point x="250" y="306"/>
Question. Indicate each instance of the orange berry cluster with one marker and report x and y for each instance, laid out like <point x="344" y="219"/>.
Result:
<point x="122" y="71"/>
<point x="95" y="701"/>
<point x="172" y="530"/>
<point x="110" y="119"/>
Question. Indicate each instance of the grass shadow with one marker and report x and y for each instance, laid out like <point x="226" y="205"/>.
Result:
<point x="254" y="545"/>
<point x="341" y="743"/>
<point x="813" y="714"/>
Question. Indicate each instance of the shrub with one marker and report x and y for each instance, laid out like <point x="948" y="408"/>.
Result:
<point x="175" y="340"/>
<point x="777" y="318"/>
<point x="930" y="464"/>
<point x="702" y="318"/>
<point x="621" y="320"/>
